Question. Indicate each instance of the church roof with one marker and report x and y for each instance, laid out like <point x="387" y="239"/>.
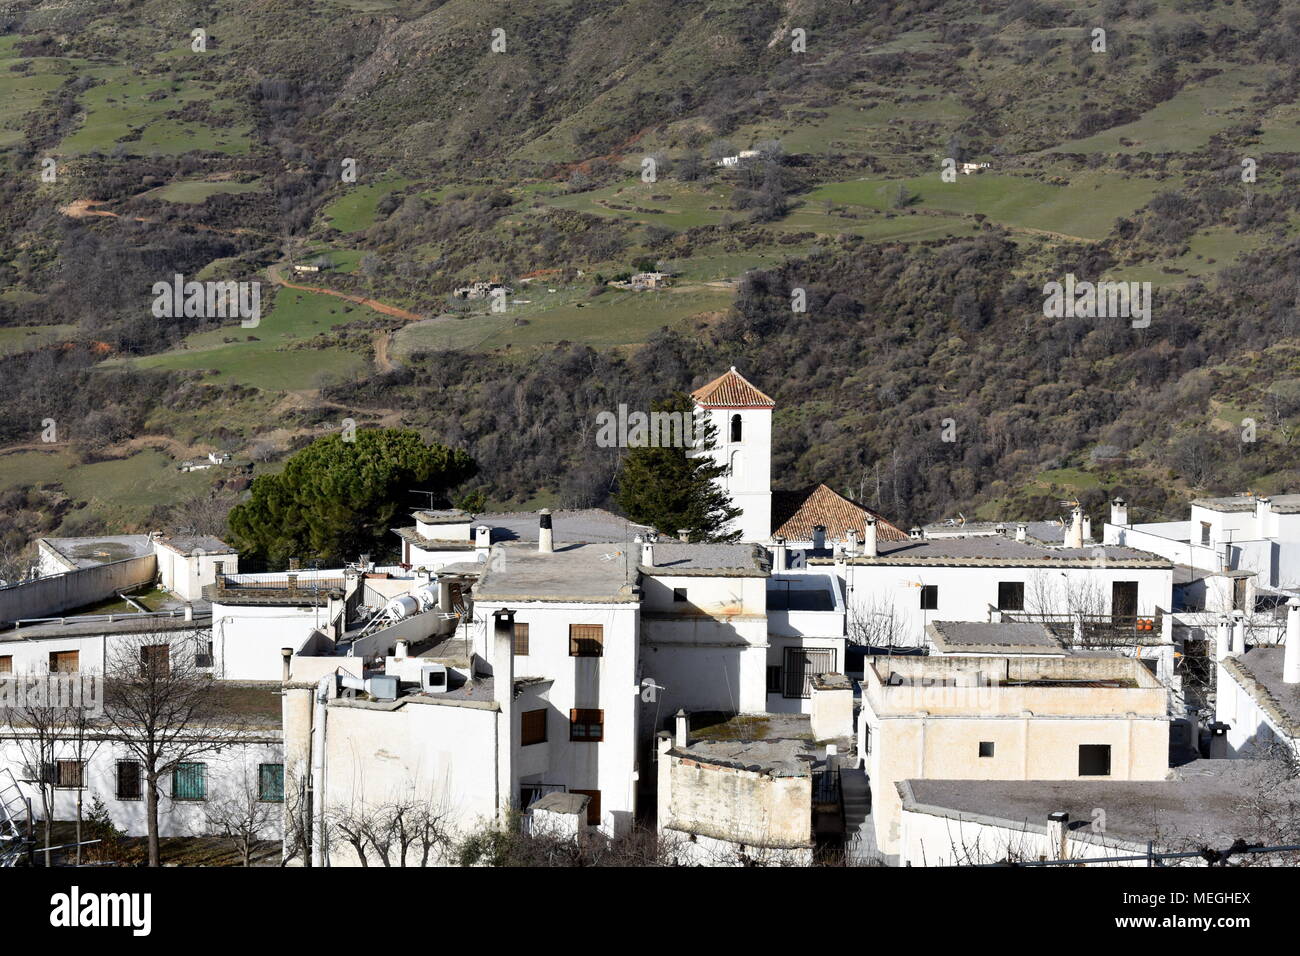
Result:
<point x="731" y="390"/>
<point x="796" y="513"/>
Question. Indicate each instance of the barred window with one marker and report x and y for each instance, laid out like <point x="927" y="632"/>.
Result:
<point x="586" y="640"/>
<point x="128" y="780"/>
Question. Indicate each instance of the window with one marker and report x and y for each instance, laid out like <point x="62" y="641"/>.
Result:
<point x="587" y="725"/>
<point x="735" y="428"/>
<point x="1011" y="595"/>
<point x="1151" y="664"/>
<point x="532" y="727"/>
<point x="586" y="640"/>
<point x="1124" y="601"/>
<point x="521" y="639"/>
<point x="679" y="595"/>
<point x="155" y="661"/>
<point x="593" y="806"/>
<point x="1094" y="760"/>
<point x="774" y="679"/>
<point x="986" y="748"/>
<point x="190" y="781"/>
<point x="801" y="665"/>
<point x="70" y="774"/>
<point x="203" y="658"/>
<point x="7" y="664"/>
<point x="128" y="780"/>
<point x="270" y="782"/>
<point x="64" y="662"/>
<point x="1205" y="532"/>
<point x="929" y="597"/>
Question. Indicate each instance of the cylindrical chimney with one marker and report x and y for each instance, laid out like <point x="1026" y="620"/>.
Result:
<point x="648" y="552"/>
<point x="851" y="546"/>
<point x="1223" y="638"/>
<point x="1119" y="512"/>
<point x="870" y="540"/>
<point x="286" y="657"/>
<point x="682" y="729"/>
<point x="545" y="536"/>
<point x="1291" y="656"/>
<point x="1087" y="528"/>
<point x="1238" y="632"/>
<point x="1074" y="536"/>
<point x="780" y="557"/>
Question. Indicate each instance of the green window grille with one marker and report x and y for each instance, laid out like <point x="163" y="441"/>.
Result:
<point x="270" y="783"/>
<point x="190" y="782"/>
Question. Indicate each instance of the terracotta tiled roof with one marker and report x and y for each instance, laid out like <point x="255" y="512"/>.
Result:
<point x="731" y="390"/>
<point x="796" y="513"/>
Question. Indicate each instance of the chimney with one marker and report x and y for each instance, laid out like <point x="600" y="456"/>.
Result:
<point x="189" y="611"/>
<point x="1291" y="658"/>
<point x="1263" y="514"/>
<point x="684" y="535"/>
<point x="819" y="537"/>
<point x="648" y="551"/>
<point x="1058" y="840"/>
<point x="1022" y="531"/>
<point x="1119" y="512"/>
<point x="682" y="730"/>
<point x="780" y="557"/>
<point x="1087" y="528"/>
<point x="483" y="537"/>
<point x="293" y="564"/>
<point x="503" y="691"/>
<point x="545" y="536"/>
<point x="870" y="541"/>
<point x="851" y="547"/>
<point x="1074" y="534"/>
<point x="286" y="657"/>
<point x="400" y="649"/>
<point x="915" y="534"/>
<point x="1223" y="638"/>
<point x="1238" y="632"/>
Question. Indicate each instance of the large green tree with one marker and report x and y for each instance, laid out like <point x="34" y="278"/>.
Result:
<point x="337" y="499"/>
<point x="671" y="490"/>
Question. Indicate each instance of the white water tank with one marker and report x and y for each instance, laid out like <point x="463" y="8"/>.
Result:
<point x="427" y="595"/>
<point x="400" y="608"/>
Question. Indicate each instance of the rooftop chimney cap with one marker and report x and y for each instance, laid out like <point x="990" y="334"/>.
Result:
<point x="1059" y="816"/>
<point x="286" y="652"/>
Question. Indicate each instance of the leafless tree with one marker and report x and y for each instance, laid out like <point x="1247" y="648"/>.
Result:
<point x="877" y="623"/>
<point x="163" y="708"/>
<point x="38" y="725"/>
<point x="241" y="817"/>
<point x="84" y="731"/>
<point x="407" y="831"/>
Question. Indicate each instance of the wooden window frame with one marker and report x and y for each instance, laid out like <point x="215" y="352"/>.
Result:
<point x="521" y="639"/>
<point x="6" y="663"/>
<point x="584" y="637"/>
<point x="582" y="717"/>
<point x="62" y="770"/>
<point x="150" y="658"/>
<point x="528" y="729"/>
<point x="57" y="656"/>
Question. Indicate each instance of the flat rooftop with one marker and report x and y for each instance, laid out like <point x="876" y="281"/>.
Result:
<point x="585" y="526"/>
<point x="91" y="552"/>
<point x="998" y="551"/>
<point x="712" y="560"/>
<point x="575" y="573"/>
<point x="978" y="637"/>
<point x="1259" y="671"/>
<point x="776" y="756"/>
<point x="95" y="624"/>
<point x="1200" y="805"/>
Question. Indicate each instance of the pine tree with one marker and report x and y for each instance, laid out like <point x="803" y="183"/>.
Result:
<point x="675" y="489"/>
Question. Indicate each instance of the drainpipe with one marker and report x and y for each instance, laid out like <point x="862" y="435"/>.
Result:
<point x="1291" y="658"/>
<point x="319" y="852"/>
